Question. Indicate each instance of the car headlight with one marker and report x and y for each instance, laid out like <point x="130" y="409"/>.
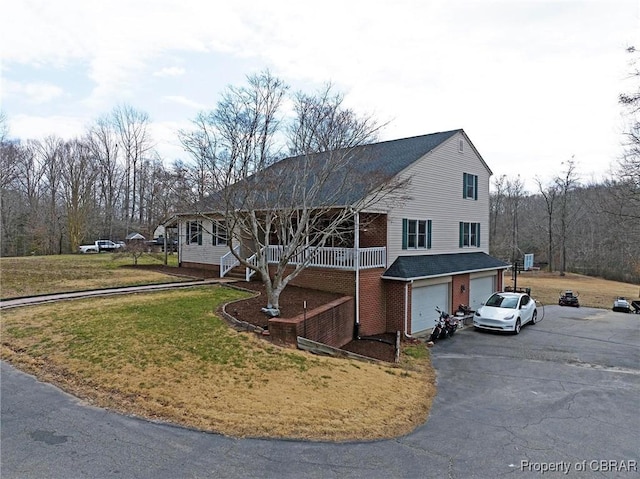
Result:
<point x="477" y="313"/>
<point x="510" y="316"/>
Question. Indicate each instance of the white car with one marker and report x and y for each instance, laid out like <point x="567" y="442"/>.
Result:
<point x="506" y="312"/>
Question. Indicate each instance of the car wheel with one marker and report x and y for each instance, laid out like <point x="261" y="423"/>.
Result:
<point x="534" y="318"/>
<point x="516" y="330"/>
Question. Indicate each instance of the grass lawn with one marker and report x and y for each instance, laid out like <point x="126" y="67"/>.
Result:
<point x="34" y="275"/>
<point x="593" y="292"/>
<point x="166" y="355"/>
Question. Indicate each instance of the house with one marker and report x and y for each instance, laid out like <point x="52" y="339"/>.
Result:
<point x="404" y="260"/>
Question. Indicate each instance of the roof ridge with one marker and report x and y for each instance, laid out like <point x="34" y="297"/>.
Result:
<point x="414" y="137"/>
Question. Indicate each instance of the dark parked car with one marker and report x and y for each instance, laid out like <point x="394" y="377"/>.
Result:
<point x="568" y="298"/>
<point x="172" y="244"/>
<point x="621" y="305"/>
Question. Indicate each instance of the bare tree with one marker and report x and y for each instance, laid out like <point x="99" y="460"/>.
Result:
<point x="322" y="124"/>
<point x="48" y="151"/>
<point x="565" y="185"/>
<point x="13" y="207"/>
<point x="201" y="143"/>
<point x="103" y="142"/>
<point x="496" y="204"/>
<point x="549" y="194"/>
<point x="629" y="165"/>
<point x="515" y="193"/>
<point x="134" y="143"/>
<point x="298" y="203"/>
<point x="78" y="172"/>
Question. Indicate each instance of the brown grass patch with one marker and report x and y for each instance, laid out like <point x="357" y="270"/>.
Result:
<point x="35" y="275"/>
<point x="593" y="292"/>
<point x="141" y="355"/>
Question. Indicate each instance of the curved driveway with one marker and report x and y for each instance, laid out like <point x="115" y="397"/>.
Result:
<point x="564" y="391"/>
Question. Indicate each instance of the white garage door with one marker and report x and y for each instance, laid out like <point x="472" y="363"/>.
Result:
<point x="423" y="305"/>
<point x="479" y="290"/>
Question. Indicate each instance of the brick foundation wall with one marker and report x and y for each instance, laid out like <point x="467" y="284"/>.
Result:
<point x="395" y="311"/>
<point x="458" y="296"/>
<point x="330" y="324"/>
<point x="372" y="303"/>
<point x="373" y="230"/>
<point x="331" y="280"/>
<point x="205" y="266"/>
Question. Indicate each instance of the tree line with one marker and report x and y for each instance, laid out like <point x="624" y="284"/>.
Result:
<point x="111" y="181"/>
<point x="590" y="228"/>
<point x="57" y="193"/>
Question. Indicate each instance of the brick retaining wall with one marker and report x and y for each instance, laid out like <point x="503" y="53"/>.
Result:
<point x="330" y="324"/>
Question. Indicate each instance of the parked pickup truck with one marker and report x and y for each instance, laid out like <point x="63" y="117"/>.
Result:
<point x="99" y="246"/>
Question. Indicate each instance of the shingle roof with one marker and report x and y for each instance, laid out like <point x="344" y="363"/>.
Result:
<point x="372" y="163"/>
<point x="406" y="268"/>
<point x="369" y="166"/>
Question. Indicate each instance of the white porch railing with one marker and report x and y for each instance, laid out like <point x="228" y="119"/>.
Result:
<point x="338" y="258"/>
<point x="248" y="273"/>
<point x="228" y="261"/>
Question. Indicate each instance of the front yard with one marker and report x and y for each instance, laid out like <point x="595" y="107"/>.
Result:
<point x="168" y="356"/>
<point x="34" y="275"/>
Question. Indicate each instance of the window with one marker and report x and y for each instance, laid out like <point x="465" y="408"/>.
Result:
<point x="416" y="234"/>
<point x="219" y="234"/>
<point x="461" y="146"/>
<point x="194" y="232"/>
<point x="469" y="234"/>
<point x="470" y="186"/>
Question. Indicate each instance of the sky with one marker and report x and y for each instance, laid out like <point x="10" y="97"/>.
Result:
<point x="533" y="83"/>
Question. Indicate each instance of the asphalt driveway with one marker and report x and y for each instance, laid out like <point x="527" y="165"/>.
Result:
<point x="562" y="399"/>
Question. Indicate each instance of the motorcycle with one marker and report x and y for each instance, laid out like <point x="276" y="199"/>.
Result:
<point x="446" y="326"/>
<point x="450" y="322"/>
<point x="439" y="330"/>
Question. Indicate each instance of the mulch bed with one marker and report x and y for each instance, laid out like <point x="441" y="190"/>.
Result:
<point x="292" y="302"/>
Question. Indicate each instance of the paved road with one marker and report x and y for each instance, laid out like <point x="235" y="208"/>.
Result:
<point x="562" y="392"/>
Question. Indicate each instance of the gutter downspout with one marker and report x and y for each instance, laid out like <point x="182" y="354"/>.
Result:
<point x="406" y="310"/>
<point x="356" y="262"/>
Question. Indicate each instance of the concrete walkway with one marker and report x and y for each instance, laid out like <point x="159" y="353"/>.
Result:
<point x="49" y="298"/>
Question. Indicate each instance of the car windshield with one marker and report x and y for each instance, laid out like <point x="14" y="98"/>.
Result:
<point x="498" y="301"/>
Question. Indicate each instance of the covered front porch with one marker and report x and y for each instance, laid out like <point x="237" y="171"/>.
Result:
<point x="348" y="259"/>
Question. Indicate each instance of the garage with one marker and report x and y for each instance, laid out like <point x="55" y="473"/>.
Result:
<point x="424" y="300"/>
<point x="479" y="290"/>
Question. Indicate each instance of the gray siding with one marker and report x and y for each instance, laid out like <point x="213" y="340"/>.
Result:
<point x="206" y="253"/>
<point x="436" y="192"/>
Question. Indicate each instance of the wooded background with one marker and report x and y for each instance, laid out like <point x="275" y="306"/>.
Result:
<point x="56" y="194"/>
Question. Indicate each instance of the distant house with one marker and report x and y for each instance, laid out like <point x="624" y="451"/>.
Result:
<point x="134" y="237"/>
<point x="431" y="251"/>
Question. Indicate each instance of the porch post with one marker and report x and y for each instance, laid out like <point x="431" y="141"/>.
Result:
<point x="356" y="263"/>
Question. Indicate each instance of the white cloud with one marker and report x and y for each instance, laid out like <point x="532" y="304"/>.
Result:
<point x="34" y="92"/>
<point x="39" y="127"/>
<point x="180" y="100"/>
<point x="169" y="72"/>
<point x="526" y="79"/>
